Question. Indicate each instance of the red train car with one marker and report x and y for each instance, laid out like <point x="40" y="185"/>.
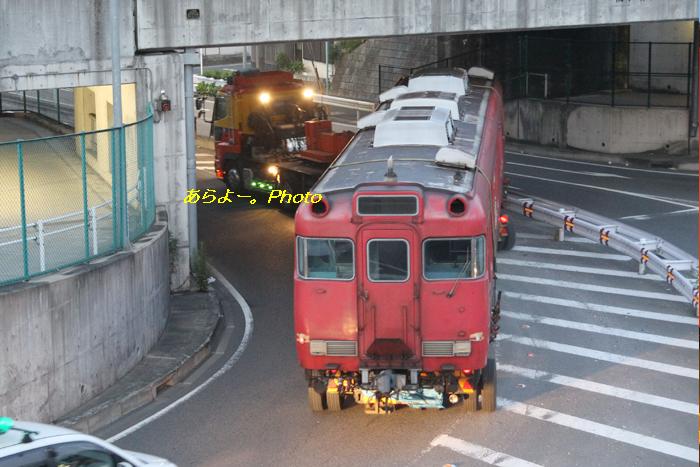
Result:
<point x="395" y="299"/>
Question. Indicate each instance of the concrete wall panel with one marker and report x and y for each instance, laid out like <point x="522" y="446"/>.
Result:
<point x="66" y="337"/>
<point x="163" y="24"/>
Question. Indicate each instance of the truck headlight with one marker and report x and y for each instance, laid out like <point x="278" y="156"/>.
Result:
<point x="264" y="97"/>
<point x="273" y="170"/>
<point x="308" y="93"/>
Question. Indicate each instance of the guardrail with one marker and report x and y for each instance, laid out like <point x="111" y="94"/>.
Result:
<point x="344" y="103"/>
<point x="670" y="262"/>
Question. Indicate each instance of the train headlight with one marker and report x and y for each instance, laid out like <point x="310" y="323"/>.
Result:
<point x="264" y="97"/>
<point x="273" y="170"/>
<point x="308" y="93"/>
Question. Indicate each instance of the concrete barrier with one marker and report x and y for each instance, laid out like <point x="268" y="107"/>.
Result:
<point x="598" y="128"/>
<point x="66" y="337"/>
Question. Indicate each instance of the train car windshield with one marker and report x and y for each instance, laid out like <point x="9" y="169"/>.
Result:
<point x="325" y="258"/>
<point x="453" y="258"/>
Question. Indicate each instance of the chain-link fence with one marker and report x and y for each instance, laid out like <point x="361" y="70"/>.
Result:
<point x="650" y="74"/>
<point x="54" y="104"/>
<point x="59" y="203"/>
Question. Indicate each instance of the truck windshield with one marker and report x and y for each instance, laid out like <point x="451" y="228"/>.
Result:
<point x="325" y="258"/>
<point x="453" y="258"/>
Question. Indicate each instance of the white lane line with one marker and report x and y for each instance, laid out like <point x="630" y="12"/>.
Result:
<point x="583" y="269"/>
<point x="642" y="217"/>
<point x="585" y="327"/>
<point x="581" y="254"/>
<point x="569" y="161"/>
<point x="599" y="388"/>
<point x="600" y="429"/>
<point x="247" y="333"/>
<point x="592" y="288"/>
<point x="614" y="310"/>
<point x="551" y="237"/>
<point x="577" y="172"/>
<point x="480" y="453"/>
<point x="601" y="188"/>
<point x="603" y="356"/>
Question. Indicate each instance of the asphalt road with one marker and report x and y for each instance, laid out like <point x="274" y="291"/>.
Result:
<point x="597" y="366"/>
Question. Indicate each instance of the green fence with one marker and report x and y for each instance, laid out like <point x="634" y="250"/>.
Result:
<point x="60" y="198"/>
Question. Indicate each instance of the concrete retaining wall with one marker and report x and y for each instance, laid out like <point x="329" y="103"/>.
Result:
<point x="66" y="337"/>
<point x="596" y="128"/>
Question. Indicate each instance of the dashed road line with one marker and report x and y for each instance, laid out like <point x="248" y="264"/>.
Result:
<point x="480" y="453"/>
<point x="603" y="356"/>
<point x="611" y="190"/>
<point x="592" y="288"/>
<point x="577" y="172"/>
<point x="599" y="429"/>
<point x="615" y="310"/>
<point x="585" y="327"/>
<point x="585" y="270"/>
<point x="560" y="252"/>
<point x="599" y="388"/>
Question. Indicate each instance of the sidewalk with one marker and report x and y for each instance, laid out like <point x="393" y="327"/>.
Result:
<point x="184" y="344"/>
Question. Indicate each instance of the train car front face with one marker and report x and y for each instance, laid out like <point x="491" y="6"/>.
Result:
<point x="393" y="298"/>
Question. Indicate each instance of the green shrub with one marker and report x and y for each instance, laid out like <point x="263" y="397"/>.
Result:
<point x="207" y="89"/>
<point x="287" y="64"/>
<point x="200" y="269"/>
<point x="218" y="74"/>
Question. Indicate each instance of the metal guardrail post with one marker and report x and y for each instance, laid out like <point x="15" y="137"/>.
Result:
<point x="688" y="78"/>
<point x="24" y="101"/>
<point x="379" y="79"/>
<point x="649" y="76"/>
<point x="0" y="102"/>
<point x="23" y="208"/>
<point x="38" y="102"/>
<point x="58" y="105"/>
<point x="83" y="170"/>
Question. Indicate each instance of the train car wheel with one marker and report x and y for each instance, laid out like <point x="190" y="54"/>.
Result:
<point x="488" y="390"/>
<point x="334" y="401"/>
<point x="315" y="400"/>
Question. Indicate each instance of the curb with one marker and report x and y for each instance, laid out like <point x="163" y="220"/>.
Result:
<point x="90" y="418"/>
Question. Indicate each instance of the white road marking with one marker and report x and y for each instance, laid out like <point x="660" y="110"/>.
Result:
<point x="642" y="217"/>
<point x="614" y="310"/>
<point x="599" y="388"/>
<point x="247" y="333"/>
<point x="612" y="190"/>
<point x="600" y="429"/>
<point x="480" y="453"/>
<point x="577" y="172"/>
<point x="603" y="356"/>
<point x="586" y="327"/>
<point x="582" y="269"/>
<point x="593" y="288"/>
<point x="633" y="169"/>
<point x="581" y="254"/>
<point x="551" y="237"/>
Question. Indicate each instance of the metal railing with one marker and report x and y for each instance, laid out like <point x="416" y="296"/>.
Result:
<point x="345" y="103"/>
<point x="615" y="73"/>
<point x="54" y="104"/>
<point x="60" y="203"/>
<point x="677" y="267"/>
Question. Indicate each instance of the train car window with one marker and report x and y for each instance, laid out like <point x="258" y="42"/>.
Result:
<point x="325" y="258"/>
<point x="387" y="260"/>
<point x="387" y="205"/>
<point x="453" y="258"/>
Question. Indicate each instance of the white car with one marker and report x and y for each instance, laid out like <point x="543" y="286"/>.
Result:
<point x="25" y="444"/>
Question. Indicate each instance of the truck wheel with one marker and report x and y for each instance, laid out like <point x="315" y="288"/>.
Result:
<point x="315" y="400"/>
<point x="233" y="180"/>
<point x="471" y="402"/>
<point x="488" y="390"/>
<point x="288" y="184"/>
<point x="334" y="401"/>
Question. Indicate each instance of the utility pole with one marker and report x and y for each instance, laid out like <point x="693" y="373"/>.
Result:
<point x="328" y="81"/>
<point x="190" y="60"/>
<point x="119" y="167"/>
